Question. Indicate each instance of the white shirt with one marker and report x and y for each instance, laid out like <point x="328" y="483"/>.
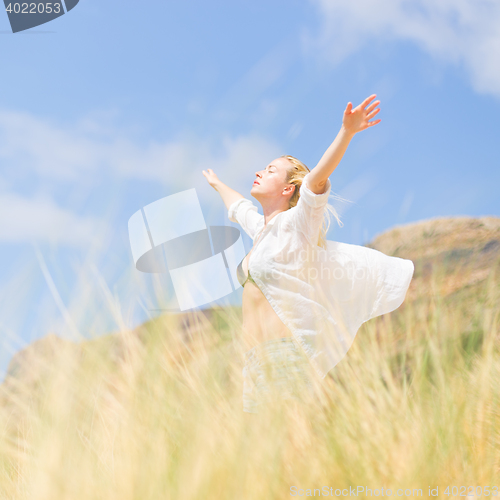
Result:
<point x="322" y="296"/>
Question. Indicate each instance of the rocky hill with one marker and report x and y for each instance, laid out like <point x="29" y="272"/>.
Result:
<point x="461" y="251"/>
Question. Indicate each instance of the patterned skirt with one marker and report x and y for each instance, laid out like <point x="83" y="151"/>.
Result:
<point x="275" y="369"/>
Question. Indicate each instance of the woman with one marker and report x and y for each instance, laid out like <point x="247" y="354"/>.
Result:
<point x="304" y="298"/>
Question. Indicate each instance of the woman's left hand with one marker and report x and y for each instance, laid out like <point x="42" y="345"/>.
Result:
<point x="355" y="120"/>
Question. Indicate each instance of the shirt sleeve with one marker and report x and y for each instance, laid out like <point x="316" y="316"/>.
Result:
<point x="390" y="284"/>
<point x="245" y="213"/>
<point x="307" y="215"/>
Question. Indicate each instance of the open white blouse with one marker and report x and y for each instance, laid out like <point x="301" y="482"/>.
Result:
<point x="322" y="296"/>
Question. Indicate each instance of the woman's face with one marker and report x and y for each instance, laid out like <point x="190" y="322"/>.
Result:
<point x="271" y="181"/>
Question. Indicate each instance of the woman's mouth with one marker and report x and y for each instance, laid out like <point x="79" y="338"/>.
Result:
<point x="255" y="182"/>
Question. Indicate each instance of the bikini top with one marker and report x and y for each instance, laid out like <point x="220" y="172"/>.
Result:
<point x="241" y="274"/>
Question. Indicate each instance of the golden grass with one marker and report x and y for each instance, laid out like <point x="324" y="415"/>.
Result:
<point x="415" y="403"/>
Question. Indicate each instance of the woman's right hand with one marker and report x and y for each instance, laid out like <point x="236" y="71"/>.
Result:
<point x="211" y="177"/>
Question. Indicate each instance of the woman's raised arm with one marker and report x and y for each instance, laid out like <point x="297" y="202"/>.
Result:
<point x="228" y="195"/>
<point x="354" y="121"/>
<point x="240" y="209"/>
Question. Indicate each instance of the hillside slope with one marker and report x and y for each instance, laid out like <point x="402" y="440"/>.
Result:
<point x="452" y="255"/>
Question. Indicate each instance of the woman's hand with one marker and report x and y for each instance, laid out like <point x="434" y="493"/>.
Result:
<point x="228" y="195"/>
<point x="211" y="177"/>
<point x="355" y="120"/>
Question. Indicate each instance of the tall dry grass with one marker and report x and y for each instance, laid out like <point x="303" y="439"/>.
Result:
<point x="415" y="403"/>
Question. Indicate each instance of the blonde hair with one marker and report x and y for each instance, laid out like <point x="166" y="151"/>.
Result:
<point x="295" y="176"/>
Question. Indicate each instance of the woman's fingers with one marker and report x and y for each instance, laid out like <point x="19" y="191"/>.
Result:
<point x="372" y="106"/>
<point x="209" y="175"/>
<point x="372" y="114"/>
<point x="367" y="100"/>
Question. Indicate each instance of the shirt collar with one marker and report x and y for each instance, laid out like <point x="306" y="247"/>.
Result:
<point x="270" y="223"/>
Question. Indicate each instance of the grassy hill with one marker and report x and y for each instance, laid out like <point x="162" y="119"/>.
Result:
<point x="156" y="412"/>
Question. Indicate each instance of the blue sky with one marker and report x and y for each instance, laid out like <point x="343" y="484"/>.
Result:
<point x="116" y="105"/>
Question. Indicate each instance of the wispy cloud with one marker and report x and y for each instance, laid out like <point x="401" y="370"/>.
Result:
<point x="358" y="188"/>
<point x="461" y="32"/>
<point x="34" y="146"/>
<point x="41" y="219"/>
<point x="406" y="204"/>
<point x="76" y="158"/>
<point x="247" y="95"/>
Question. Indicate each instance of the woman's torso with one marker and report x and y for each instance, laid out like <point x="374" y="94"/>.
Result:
<point x="260" y="321"/>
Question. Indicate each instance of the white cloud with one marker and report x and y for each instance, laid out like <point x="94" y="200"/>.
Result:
<point x="74" y="158"/>
<point x="39" y="218"/>
<point x="238" y="159"/>
<point x="457" y="31"/>
<point x="4" y="184"/>
<point x="31" y="146"/>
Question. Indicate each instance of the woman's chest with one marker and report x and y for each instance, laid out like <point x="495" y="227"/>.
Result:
<point x="273" y="248"/>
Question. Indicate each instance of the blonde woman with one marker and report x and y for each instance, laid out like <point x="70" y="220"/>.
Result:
<point x="304" y="298"/>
